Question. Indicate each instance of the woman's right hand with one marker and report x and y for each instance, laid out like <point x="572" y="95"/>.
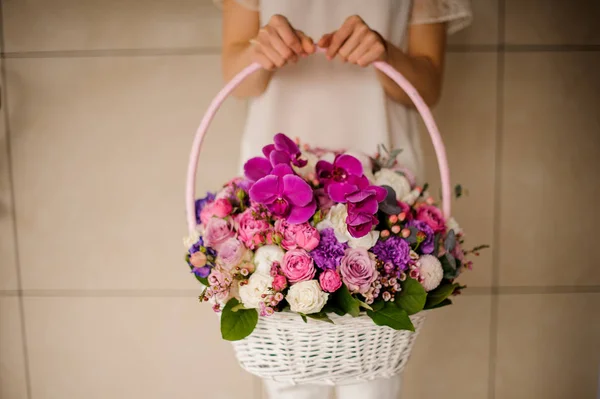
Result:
<point x="278" y="43"/>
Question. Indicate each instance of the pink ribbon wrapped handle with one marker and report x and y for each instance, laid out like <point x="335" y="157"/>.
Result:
<point x="387" y="69"/>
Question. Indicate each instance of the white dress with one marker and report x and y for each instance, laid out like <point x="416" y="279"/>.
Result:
<point x="340" y="106"/>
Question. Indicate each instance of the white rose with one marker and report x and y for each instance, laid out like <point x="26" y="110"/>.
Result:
<point x="251" y="294"/>
<point x="306" y="297"/>
<point x="336" y="219"/>
<point x="265" y="256"/>
<point x="366" y="242"/>
<point x="366" y="162"/>
<point x="411" y="197"/>
<point x="453" y="225"/>
<point x="310" y="166"/>
<point x="431" y="270"/>
<point x="400" y="184"/>
<point x="191" y="239"/>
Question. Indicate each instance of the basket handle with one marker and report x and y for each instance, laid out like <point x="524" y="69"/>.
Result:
<point x="384" y="67"/>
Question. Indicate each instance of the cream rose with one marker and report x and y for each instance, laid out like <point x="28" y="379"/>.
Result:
<point x="400" y="184"/>
<point x="311" y="163"/>
<point x="306" y="297"/>
<point x="430" y="269"/>
<point x="191" y="239"/>
<point x="336" y="219"/>
<point x="265" y="256"/>
<point x="251" y="293"/>
<point x="411" y="197"/>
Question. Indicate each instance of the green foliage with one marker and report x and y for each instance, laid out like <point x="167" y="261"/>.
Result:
<point x="237" y="324"/>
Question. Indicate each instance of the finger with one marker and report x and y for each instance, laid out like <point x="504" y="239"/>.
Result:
<point x="341" y="35"/>
<point x="367" y="41"/>
<point x="325" y="41"/>
<point x="358" y="35"/>
<point x="278" y="44"/>
<point x="265" y="47"/>
<point x="286" y="33"/>
<point x="372" y="55"/>
<point x="308" y="46"/>
<point x="264" y="61"/>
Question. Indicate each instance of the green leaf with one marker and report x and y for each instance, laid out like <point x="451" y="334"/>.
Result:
<point x="237" y="325"/>
<point x="346" y="301"/>
<point x="438" y="295"/>
<point x="364" y="305"/>
<point x="392" y="316"/>
<point x="332" y="308"/>
<point x="320" y="316"/>
<point x="203" y="280"/>
<point x="412" y="297"/>
<point x="449" y="266"/>
<point x="450" y="241"/>
<point x="304" y="317"/>
<point x="445" y="302"/>
<point x="436" y="241"/>
<point x="378" y="305"/>
<point x="238" y="307"/>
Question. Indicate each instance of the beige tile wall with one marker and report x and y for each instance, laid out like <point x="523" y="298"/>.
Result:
<point x="101" y="100"/>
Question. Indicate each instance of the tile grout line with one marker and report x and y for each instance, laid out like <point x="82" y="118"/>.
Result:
<point x="11" y="185"/>
<point x="212" y="50"/>
<point x="495" y="297"/>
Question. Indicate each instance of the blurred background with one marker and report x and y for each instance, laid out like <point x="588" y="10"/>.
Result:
<point x="100" y="100"/>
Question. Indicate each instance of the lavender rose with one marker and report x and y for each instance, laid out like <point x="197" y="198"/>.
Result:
<point x="297" y="266"/>
<point x="231" y="253"/>
<point x="358" y="270"/>
<point x="217" y="232"/>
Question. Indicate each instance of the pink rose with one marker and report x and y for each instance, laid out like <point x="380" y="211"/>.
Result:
<point x="207" y="213"/>
<point x="358" y="271"/>
<point x="330" y="280"/>
<point x="217" y="231"/>
<point x="248" y="227"/>
<point x="222" y="207"/>
<point x="231" y="253"/>
<point x="279" y="282"/>
<point x="432" y="216"/>
<point x="198" y="259"/>
<point x="297" y="265"/>
<point x="297" y="235"/>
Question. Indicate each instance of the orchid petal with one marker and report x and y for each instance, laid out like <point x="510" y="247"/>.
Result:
<point x="268" y="149"/>
<point x="360" y="230"/>
<point x="380" y="193"/>
<point x="338" y="191"/>
<point x="257" y="168"/>
<point x="279" y="157"/>
<point x="302" y="214"/>
<point x="324" y="169"/>
<point x="265" y="190"/>
<point x="284" y="143"/>
<point x="368" y="206"/>
<point x="351" y="165"/>
<point x="282" y="170"/>
<point x="297" y="190"/>
<point x="361" y="195"/>
<point x="358" y="218"/>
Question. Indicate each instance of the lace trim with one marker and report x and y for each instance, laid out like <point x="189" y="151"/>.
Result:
<point x="456" y="13"/>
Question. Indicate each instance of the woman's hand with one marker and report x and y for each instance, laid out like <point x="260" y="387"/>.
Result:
<point x="278" y="43"/>
<point x="355" y="42"/>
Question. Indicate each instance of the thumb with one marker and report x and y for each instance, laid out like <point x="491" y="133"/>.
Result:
<point x="325" y="41"/>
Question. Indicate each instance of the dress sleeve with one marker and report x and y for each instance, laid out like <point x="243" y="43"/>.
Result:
<point x="456" y="13"/>
<point x="249" y="4"/>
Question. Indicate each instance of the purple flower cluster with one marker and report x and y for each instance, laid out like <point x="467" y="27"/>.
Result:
<point x="329" y="252"/>
<point x="395" y="250"/>
<point x="428" y="244"/>
<point x="210" y="253"/>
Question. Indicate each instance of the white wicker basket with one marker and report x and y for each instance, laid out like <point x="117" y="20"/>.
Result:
<point x="283" y="347"/>
<point x="286" y="349"/>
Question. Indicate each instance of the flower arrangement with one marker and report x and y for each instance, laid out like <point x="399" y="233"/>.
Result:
<point x="317" y="233"/>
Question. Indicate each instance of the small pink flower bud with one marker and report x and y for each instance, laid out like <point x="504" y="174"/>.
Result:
<point x="393" y="219"/>
<point x="401" y="216"/>
<point x="405" y="233"/>
<point x="385" y="233"/>
<point x="395" y="229"/>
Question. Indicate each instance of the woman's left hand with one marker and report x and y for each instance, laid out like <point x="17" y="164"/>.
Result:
<point x="355" y="42"/>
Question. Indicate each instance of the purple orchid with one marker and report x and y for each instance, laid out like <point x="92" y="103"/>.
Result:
<point x="283" y="152"/>
<point x="344" y="168"/>
<point x="363" y="202"/>
<point x="285" y="195"/>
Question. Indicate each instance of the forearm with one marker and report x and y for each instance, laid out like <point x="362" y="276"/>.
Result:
<point x="419" y="70"/>
<point x="236" y="57"/>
